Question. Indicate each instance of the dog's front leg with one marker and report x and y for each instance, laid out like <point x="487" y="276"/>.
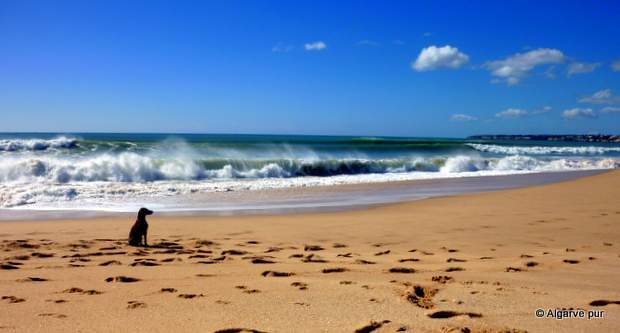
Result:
<point x="145" y="243"/>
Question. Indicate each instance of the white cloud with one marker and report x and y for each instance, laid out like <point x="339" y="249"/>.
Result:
<point x="610" y="109"/>
<point x="367" y="42"/>
<point x="462" y="117"/>
<point x="578" y="113"/>
<point x="581" y="68"/>
<point x="434" y="57"/>
<point x="604" y="96"/>
<point x="511" y="113"/>
<point x="315" y="46"/>
<point x="281" y="47"/>
<point x="544" y="109"/>
<point x="514" y="68"/>
<point x="615" y="66"/>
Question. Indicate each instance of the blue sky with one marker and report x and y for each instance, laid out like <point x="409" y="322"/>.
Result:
<point x="401" y="68"/>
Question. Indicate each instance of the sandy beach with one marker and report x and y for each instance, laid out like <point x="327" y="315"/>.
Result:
<point x="469" y="263"/>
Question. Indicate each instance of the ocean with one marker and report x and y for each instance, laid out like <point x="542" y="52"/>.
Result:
<point x="119" y="172"/>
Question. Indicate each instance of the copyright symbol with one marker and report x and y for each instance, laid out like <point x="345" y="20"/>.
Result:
<point x="540" y="313"/>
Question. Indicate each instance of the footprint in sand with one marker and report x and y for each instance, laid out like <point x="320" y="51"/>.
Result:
<point x="450" y="314"/>
<point x="531" y="264"/>
<point x="383" y="253"/>
<point x="53" y="315"/>
<point x="408" y="260"/>
<point x="42" y="255"/>
<point x="603" y="302"/>
<point x="135" y="305"/>
<point x="190" y="296"/>
<point x="300" y="285"/>
<point x="238" y="330"/>
<point x="338" y="245"/>
<point x="405" y="270"/>
<point x="74" y="290"/>
<point x="454" y="269"/>
<point x="313" y="248"/>
<point x="57" y="301"/>
<point x="571" y="261"/>
<point x="233" y="253"/>
<point x="110" y="262"/>
<point x="276" y="274"/>
<point x="313" y="258"/>
<point x="443" y="279"/>
<point x="455" y="260"/>
<point x="124" y="279"/>
<point x="420" y="296"/>
<point x="167" y="290"/>
<point x="262" y="261"/>
<point x="8" y="266"/>
<point x="372" y="326"/>
<point x="347" y="282"/>
<point x="334" y="270"/>
<point x="513" y="269"/>
<point x="13" y="299"/>
<point x="32" y="279"/>
<point x="144" y="263"/>
<point x="364" y="262"/>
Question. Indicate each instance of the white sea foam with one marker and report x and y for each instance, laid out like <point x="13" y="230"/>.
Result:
<point x="10" y="145"/>
<point x="544" y="150"/>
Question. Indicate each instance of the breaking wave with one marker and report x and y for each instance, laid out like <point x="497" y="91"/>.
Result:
<point x="11" y="145"/>
<point x="543" y="150"/>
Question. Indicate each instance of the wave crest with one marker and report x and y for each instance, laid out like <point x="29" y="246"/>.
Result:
<point x="12" y="145"/>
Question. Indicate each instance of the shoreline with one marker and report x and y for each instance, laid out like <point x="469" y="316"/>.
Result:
<point x="436" y="265"/>
<point x="333" y="198"/>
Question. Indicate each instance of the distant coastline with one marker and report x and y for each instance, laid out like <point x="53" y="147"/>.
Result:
<point x="543" y="137"/>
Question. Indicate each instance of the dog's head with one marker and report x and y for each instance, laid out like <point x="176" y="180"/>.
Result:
<point x="144" y="212"/>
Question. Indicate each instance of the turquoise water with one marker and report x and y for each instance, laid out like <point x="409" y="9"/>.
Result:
<point x="71" y="169"/>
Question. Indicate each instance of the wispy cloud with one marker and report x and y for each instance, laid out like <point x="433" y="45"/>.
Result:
<point x="512" y="113"/>
<point x="604" y="96"/>
<point x="513" y="68"/>
<point x="315" y="46"/>
<point x="615" y="66"/>
<point x="578" y="113"/>
<point x="367" y="42"/>
<point x="462" y="117"/>
<point x="433" y="57"/>
<point x="581" y="68"/>
<point x="610" y="109"/>
<point x="282" y="47"/>
<point x="544" y="109"/>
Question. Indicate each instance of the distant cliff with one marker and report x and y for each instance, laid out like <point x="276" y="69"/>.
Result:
<point x="569" y="138"/>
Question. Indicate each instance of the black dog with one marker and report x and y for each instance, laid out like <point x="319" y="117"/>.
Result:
<point x="139" y="228"/>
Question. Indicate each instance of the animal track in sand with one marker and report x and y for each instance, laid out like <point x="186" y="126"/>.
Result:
<point x="571" y="261"/>
<point x="238" y="330"/>
<point x="442" y="279"/>
<point x="603" y="302"/>
<point x="313" y="258"/>
<point x="234" y="252"/>
<point x="347" y="282"/>
<point x="313" y="248"/>
<point x="53" y="315"/>
<point x="420" y="296"/>
<point x="262" y="261"/>
<point x="513" y="269"/>
<point x="167" y="290"/>
<point x="531" y="264"/>
<point x="405" y="270"/>
<point x="335" y="270"/>
<point x="454" y="269"/>
<point x="300" y="285"/>
<point x="364" y="262"/>
<point x="450" y="314"/>
<point x="190" y="296"/>
<point x="135" y="305"/>
<point x="32" y="279"/>
<point x="74" y="290"/>
<point x="408" y="260"/>
<point x="372" y="326"/>
<point x="13" y="299"/>
<point x="120" y="278"/>
<point x="346" y="255"/>
<point x="276" y="274"/>
<point x="383" y="253"/>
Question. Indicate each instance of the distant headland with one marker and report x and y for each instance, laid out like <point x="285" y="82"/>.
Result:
<point x="544" y="137"/>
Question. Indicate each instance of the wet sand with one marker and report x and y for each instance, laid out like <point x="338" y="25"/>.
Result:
<point x="469" y="263"/>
